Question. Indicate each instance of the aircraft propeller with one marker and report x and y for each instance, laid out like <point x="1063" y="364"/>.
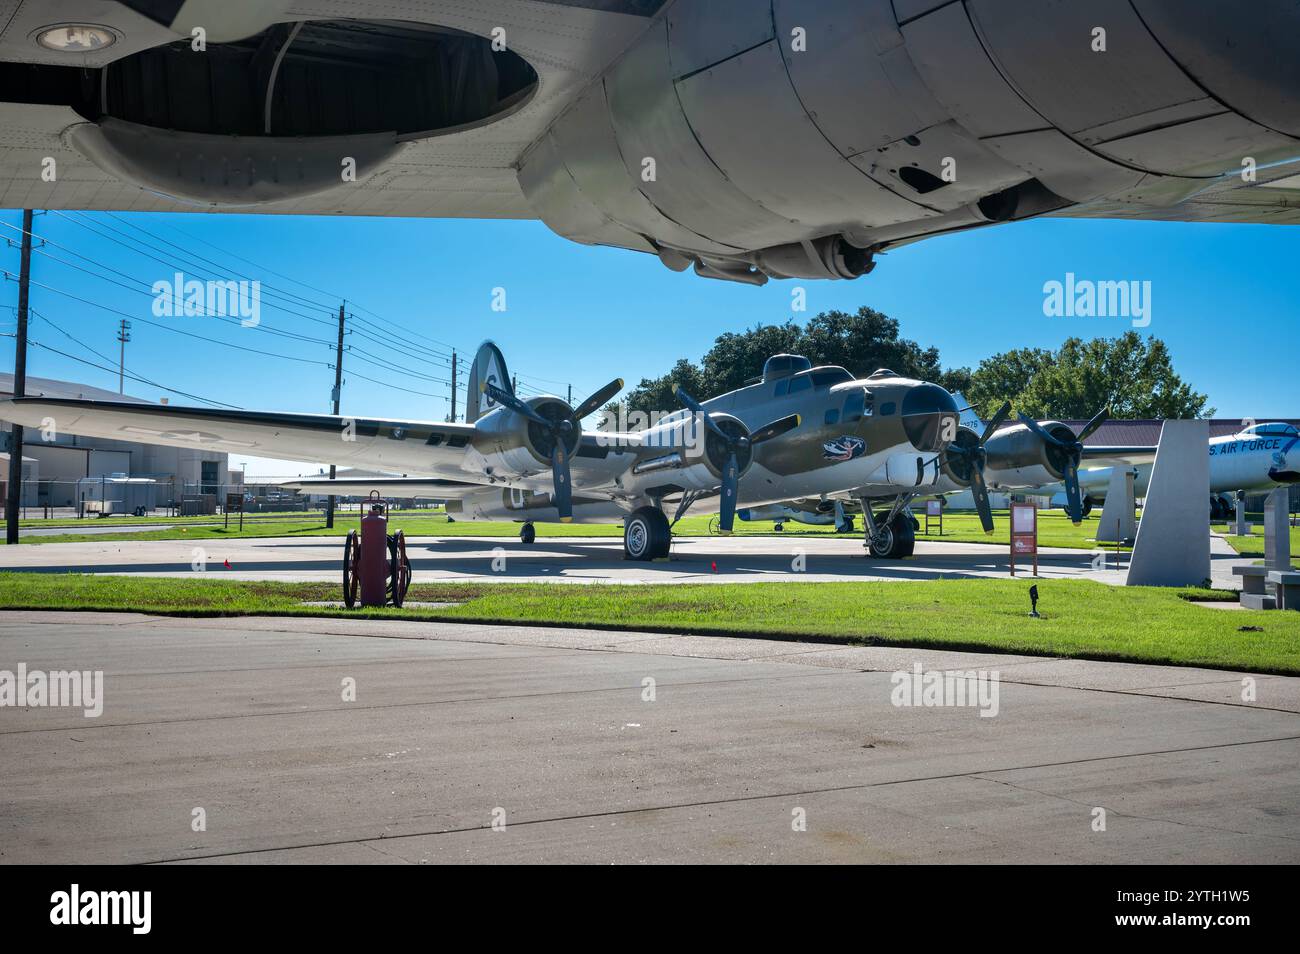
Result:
<point x="560" y="430"/>
<point x="734" y="444"/>
<point x="977" y="458"/>
<point x="1074" y="456"/>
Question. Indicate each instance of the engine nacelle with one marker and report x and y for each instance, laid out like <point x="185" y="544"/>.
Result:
<point x="1017" y="457"/>
<point x="513" y="446"/>
<point x="693" y="456"/>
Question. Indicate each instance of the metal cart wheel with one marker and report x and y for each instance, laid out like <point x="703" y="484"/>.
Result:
<point x="351" y="567"/>
<point x="399" y="569"/>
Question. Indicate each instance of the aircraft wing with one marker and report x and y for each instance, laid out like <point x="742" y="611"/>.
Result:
<point x="424" y="447"/>
<point x="456" y="158"/>
<point x="440" y="488"/>
<point x="1105" y="456"/>
<point x="1275" y="202"/>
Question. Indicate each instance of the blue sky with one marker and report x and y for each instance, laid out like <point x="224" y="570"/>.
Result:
<point x="1222" y="298"/>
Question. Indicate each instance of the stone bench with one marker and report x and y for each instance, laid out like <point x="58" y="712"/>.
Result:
<point x="1286" y="585"/>
<point x="1254" y="592"/>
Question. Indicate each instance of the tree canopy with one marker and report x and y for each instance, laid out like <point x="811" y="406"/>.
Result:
<point x="1132" y="376"/>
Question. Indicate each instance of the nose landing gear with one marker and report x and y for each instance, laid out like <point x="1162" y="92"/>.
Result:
<point x="527" y="533"/>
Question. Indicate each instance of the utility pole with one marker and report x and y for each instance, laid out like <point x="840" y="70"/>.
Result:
<point x="453" y="385"/>
<point x="20" y="384"/>
<point x="123" y="336"/>
<point x="338" y="390"/>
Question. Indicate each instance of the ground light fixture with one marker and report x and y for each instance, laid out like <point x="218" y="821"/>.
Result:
<point x="75" y="38"/>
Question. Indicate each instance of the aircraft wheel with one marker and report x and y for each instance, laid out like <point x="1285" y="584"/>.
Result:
<point x="846" y="527"/>
<point x="527" y="533"/>
<point x="895" y="540"/>
<point x="778" y="527"/>
<point x="646" y="534"/>
<point x="1216" y="510"/>
<point x="1087" y="505"/>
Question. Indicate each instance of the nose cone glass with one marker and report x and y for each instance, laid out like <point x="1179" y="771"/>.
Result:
<point x="929" y="417"/>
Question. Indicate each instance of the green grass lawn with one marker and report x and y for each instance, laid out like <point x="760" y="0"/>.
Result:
<point x="1253" y="543"/>
<point x="1054" y="529"/>
<point x="1080" y="618"/>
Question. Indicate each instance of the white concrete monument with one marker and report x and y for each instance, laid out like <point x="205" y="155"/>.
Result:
<point x="1117" y="522"/>
<point x="1173" y="539"/>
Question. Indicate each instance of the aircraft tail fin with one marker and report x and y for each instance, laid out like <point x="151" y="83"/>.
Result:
<point x="968" y="416"/>
<point x="489" y="366"/>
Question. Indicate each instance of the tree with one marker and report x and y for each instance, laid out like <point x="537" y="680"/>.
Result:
<point x="1135" y="378"/>
<point x="655" y="395"/>
<point x="1004" y="377"/>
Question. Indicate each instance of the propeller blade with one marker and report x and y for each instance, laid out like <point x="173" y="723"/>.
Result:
<point x="980" y="491"/>
<point x="1003" y="413"/>
<point x="730" y="485"/>
<point x="1041" y="431"/>
<point x="1073" y="499"/>
<point x="775" y="429"/>
<point x="1102" y="416"/>
<point x="561" y="478"/>
<point x="598" y="399"/>
<point x="503" y="397"/>
<point x="696" y="408"/>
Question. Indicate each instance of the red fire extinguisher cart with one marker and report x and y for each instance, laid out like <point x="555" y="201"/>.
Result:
<point x="376" y="570"/>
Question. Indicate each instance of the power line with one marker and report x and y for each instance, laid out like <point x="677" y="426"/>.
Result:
<point x="96" y="229"/>
<point x="412" y="346"/>
<point x="442" y="355"/>
<point x="129" y="373"/>
<point x="102" y="367"/>
<point x="188" y="334"/>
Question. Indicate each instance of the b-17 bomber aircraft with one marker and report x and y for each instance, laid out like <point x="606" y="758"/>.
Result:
<point x="798" y="431"/>
<point x="1046" y="458"/>
<point x="743" y="139"/>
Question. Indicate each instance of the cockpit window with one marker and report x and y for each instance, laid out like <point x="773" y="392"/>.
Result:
<point x="854" y="405"/>
<point x="1273" y="430"/>
<point x="821" y="377"/>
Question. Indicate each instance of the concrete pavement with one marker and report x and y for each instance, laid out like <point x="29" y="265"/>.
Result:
<point x="552" y="733"/>
<point x="578" y="560"/>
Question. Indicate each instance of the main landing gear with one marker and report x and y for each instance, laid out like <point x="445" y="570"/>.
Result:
<point x="646" y="534"/>
<point x="889" y="534"/>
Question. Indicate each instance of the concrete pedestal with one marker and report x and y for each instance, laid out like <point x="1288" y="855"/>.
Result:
<point x="1173" y="539"/>
<point x="1117" y="523"/>
<point x="1277" y="536"/>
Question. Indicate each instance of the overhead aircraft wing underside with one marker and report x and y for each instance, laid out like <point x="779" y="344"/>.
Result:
<point x="458" y="161"/>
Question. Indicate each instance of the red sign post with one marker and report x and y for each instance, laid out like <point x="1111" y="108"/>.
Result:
<point x="1024" y="534"/>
